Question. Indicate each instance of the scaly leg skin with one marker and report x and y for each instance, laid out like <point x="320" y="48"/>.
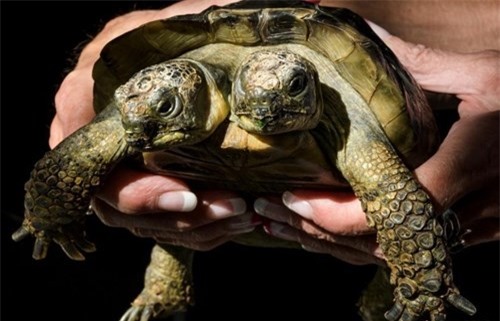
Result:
<point x="409" y="234"/>
<point x="59" y="190"/>
<point x="167" y="285"/>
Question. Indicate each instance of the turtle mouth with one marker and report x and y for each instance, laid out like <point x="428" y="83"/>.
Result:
<point x="138" y="140"/>
<point x="272" y="123"/>
<point x="139" y="144"/>
<point x="267" y="122"/>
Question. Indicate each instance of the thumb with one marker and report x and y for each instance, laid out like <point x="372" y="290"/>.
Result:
<point x="463" y="74"/>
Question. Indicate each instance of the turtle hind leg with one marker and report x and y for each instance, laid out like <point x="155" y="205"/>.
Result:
<point x="167" y="285"/>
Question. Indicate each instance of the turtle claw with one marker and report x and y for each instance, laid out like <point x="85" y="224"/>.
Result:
<point x="86" y="246"/>
<point x="405" y="309"/>
<point x="42" y="244"/>
<point x="71" y="251"/>
<point x="400" y="312"/>
<point x="138" y="313"/>
<point x="70" y="240"/>
<point x="72" y="245"/>
<point x="40" y="248"/>
<point x="20" y="234"/>
<point x="131" y="314"/>
<point x="461" y="303"/>
<point x="408" y="316"/>
<point x="393" y="313"/>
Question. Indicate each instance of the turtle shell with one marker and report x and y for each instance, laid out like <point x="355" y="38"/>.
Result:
<point x="336" y="35"/>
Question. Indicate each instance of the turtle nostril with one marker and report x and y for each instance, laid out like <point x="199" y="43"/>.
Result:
<point x="262" y="112"/>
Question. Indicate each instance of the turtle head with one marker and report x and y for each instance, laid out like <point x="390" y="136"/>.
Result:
<point x="276" y="91"/>
<point x="176" y="102"/>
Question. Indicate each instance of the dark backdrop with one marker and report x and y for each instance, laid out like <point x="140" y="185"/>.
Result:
<point x="39" y="41"/>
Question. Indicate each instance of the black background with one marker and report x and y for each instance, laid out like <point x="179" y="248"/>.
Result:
<point x="39" y="41"/>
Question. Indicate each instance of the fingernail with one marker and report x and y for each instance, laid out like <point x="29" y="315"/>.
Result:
<point x="301" y="207"/>
<point x="281" y="231"/>
<point x="381" y="32"/>
<point x="179" y="201"/>
<point x="229" y="207"/>
<point x="265" y="208"/>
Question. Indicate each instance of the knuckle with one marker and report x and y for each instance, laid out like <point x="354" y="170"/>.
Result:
<point x="118" y="22"/>
<point x="488" y="81"/>
<point x="135" y="201"/>
<point x="416" y="57"/>
<point x="63" y="97"/>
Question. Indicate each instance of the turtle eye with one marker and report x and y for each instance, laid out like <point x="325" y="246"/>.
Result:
<point x="297" y="85"/>
<point x="170" y="107"/>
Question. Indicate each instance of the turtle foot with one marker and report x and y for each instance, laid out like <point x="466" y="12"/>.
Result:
<point x="71" y="239"/>
<point x="412" y="309"/>
<point x="167" y="285"/>
<point x="146" y="308"/>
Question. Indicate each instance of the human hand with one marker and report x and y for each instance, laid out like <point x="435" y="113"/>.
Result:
<point x="134" y="199"/>
<point x="463" y="174"/>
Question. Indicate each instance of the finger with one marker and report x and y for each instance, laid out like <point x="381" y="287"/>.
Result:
<point x="56" y="132"/>
<point x="465" y="162"/>
<point x="279" y="213"/>
<point x="73" y="102"/>
<point x="231" y="226"/>
<point x="210" y="209"/>
<point x="464" y="74"/>
<point x="339" y="213"/>
<point x="132" y="192"/>
<point x="312" y="244"/>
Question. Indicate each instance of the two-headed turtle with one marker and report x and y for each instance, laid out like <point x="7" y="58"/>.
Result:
<point x="259" y="97"/>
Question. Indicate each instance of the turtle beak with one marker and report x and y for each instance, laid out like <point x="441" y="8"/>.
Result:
<point x="139" y="136"/>
<point x="137" y="142"/>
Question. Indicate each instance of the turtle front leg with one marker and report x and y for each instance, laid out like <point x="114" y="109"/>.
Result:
<point x="408" y="232"/>
<point x="167" y="285"/>
<point x="61" y="184"/>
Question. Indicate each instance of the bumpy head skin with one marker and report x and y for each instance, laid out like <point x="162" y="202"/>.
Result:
<point x="172" y="103"/>
<point x="276" y="91"/>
